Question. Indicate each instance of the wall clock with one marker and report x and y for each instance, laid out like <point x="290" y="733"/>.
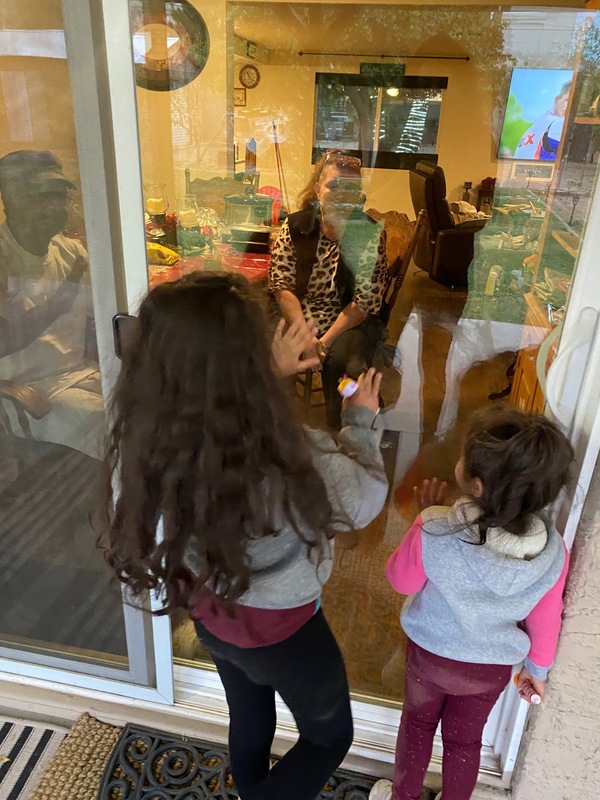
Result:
<point x="170" y="43"/>
<point x="249" y="76"/>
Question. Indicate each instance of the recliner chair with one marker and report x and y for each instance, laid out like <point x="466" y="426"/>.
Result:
<point x="444" y="249"/>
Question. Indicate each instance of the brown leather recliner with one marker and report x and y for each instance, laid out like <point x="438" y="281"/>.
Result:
<point x="444" y="249"/>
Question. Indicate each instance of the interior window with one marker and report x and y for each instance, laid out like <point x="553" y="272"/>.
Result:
<point x="390" y="119"/>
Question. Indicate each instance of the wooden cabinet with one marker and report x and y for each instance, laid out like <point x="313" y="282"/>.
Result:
<point x="526" y="393"/>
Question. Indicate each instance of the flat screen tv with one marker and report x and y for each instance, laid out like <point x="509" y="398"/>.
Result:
<point x="535" y="114"/>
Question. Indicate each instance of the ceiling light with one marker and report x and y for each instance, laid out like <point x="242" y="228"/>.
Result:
<point x="392" y="91"/>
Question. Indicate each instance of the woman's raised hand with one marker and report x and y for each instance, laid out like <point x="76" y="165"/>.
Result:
<point x="289" y="346"/>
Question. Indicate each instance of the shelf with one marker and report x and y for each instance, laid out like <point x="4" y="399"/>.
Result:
<point x="537" y="314"/>
<point x="568" y="241"/>
<point x="587" y="120"/>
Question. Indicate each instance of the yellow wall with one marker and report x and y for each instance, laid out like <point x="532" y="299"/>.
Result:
<point x="286" y="93"/>
<point x="36" y="110"/>
<point x="473" y="104"/>
<point x="190" y="127"/>
<point x="37" y="113"/>
<point x="195" y="127"/>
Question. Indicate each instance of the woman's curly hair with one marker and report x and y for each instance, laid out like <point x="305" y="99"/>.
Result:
<point x="202" y="435"/>
<point x="308" y="196"/>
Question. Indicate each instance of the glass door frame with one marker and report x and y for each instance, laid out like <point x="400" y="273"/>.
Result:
<point x="573" y="380"/>
<point x="111" y="190"/>
<point x="102" y="73"/>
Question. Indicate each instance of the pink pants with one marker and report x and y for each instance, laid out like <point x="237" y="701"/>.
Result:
<point x="462" y="696"/>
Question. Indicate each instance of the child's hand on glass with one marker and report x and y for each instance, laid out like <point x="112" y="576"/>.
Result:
<point x="288" y="348"/>
<point x="367" y="394"/>
<point x="431" y="493"/>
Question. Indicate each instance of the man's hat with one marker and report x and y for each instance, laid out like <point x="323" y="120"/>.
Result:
<point x="33" y="171"/>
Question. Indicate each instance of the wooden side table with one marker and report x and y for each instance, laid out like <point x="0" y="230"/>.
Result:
<point x="485" y="194"/>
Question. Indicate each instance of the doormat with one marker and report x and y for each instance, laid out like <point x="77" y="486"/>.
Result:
<point x="25" y="752"/>
<point x="77" y="768"/>
<point x="147" y="764"/>
<point x="97" y="761"/>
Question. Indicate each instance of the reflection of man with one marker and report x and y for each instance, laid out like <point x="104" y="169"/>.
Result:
<point x="44" y="306"/>
<point x="540" y="141"/>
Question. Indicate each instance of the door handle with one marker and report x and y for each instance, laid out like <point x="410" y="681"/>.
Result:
<point x="542" y="356"/>
<point x="553" y="382"/>
<point x="124" y="329"/>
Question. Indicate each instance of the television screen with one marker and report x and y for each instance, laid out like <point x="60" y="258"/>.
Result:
<point x="535" y="114"/>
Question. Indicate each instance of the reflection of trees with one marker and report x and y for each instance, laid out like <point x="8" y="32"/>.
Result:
<point x="336" y="97"/>
<point x="365" y="103"/>
<point x="585" y="54"/>
<point x="188" y="109"/>
<point x="452" y="30"/>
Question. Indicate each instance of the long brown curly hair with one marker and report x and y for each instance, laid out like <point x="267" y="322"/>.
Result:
<point x="202" y="434"/>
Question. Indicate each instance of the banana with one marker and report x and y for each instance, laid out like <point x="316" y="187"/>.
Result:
<point x="161" y="256"/>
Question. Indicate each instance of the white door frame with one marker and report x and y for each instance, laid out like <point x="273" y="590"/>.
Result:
<point x="112" y="185"/>
<point x="103" y="90"/>
<point x="578" y="399"/>
<point x="573" y="399"/>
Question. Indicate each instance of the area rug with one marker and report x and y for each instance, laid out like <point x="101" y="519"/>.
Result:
<point x="97" y="761"/>
<point x="25" y="752"/>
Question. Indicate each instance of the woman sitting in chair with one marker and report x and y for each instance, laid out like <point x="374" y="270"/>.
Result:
<point x="329" y="263"/>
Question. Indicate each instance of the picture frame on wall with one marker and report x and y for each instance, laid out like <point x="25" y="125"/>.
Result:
<point x="239" y="97"/>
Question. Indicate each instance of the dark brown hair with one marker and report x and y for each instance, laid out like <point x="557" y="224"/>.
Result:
<point x="522" y="460"/>
<point x="202" y="432"/>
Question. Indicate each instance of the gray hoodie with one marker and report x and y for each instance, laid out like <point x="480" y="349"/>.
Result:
<point x="475" y="595"/>
<point x="282" y="574"/>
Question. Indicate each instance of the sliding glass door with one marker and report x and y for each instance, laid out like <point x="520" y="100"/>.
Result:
<point x="446" y="108"/>
<point x="62" y="615"/>
<point x="167" y="137"/>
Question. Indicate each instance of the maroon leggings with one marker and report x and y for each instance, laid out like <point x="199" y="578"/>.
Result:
<point x="462" y="696"/>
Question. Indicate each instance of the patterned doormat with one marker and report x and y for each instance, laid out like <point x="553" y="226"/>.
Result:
<point x="147" y="764"/>
<point x="97" y="761"/>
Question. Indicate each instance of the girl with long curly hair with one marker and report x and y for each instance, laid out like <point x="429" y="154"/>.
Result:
<point x="204" y="439"/>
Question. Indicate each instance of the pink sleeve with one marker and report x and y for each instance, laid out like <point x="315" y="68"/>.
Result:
<point x="543" y="623"/>
<point x="404" y="568"/>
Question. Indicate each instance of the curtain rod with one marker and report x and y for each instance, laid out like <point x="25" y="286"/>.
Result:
<point x="379" y="55"/>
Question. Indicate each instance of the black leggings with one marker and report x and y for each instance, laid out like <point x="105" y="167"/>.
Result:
<point x="308" y="672"/>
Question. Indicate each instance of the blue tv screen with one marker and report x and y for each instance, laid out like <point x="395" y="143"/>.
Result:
<point x="535" y="114"/>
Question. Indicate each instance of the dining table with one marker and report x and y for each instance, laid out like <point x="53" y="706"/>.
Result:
<point x="253" y="266"/>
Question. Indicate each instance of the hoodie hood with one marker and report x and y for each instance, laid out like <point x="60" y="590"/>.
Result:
<point x="506" y="564"/>
<point x="475" y="595"/>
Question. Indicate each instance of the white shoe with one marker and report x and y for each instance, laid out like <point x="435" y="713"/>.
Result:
<point x="382" y="790"/>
